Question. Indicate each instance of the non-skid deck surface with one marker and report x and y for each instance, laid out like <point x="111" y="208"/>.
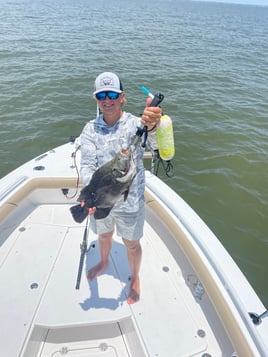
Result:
<point x="38" y="278"/>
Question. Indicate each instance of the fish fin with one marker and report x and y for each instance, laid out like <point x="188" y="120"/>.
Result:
<point x="79" y="213"/>
<point x="102" y="212"/>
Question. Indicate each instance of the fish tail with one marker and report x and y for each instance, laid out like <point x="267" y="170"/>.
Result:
<point x="79" y="213"/>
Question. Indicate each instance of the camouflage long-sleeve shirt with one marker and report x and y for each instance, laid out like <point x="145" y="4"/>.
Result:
<point x="101" y="142"/>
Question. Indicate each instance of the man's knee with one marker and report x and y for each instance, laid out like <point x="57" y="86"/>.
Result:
<point x="132" y="244"/>
<point x="107" y="235"/>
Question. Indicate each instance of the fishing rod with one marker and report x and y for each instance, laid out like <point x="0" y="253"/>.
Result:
<point x="165" y="140"/>
<point x="84" y="251"/>
<point x="156" y="100"/>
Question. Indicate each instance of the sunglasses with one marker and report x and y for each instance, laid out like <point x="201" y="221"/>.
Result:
<point x="111" y="95"/>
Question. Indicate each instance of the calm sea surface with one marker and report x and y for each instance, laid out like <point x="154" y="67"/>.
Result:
<point x="210" y="61"/>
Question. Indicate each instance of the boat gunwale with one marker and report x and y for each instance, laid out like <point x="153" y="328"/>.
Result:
<point x="16" y="193"/>
<point x="229" y="307"/>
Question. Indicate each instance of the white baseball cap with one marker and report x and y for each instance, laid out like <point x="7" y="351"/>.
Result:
<point x="107" y="81"/>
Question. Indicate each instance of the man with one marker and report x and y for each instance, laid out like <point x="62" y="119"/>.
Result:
<point x="101" y="140"/>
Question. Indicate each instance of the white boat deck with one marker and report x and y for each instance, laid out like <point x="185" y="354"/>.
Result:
<point x="43" y="315"/>
<point x="38" y="277"/>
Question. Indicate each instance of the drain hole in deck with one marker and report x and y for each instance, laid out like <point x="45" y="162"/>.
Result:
<point x="34" y="286"/>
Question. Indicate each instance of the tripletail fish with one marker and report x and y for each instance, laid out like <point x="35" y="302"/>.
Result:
<point x="107" y="185"/>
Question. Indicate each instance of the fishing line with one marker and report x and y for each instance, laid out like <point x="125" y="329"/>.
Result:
<point x="77" y="173"/>
<point x="166" y="165"/>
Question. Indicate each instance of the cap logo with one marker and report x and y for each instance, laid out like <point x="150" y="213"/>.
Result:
<point x="107" y="81"/>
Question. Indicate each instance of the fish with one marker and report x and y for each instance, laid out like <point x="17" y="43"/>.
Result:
<point x="107" y="185"/>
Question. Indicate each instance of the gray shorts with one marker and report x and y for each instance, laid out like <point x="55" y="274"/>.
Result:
<point x="129" y="225"/>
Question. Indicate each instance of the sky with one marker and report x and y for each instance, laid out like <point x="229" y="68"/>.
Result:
<point x="248" y="2"/>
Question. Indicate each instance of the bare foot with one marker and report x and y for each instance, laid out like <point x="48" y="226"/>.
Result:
<point x="134" y="292"/>
<point x="96" y="271"/>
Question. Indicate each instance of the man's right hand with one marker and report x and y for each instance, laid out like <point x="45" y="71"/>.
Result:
<point x="91" y="211"/>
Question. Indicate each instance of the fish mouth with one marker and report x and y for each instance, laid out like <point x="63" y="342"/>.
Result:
<point x="125" y="151"/>
<point x="130" y="174"/>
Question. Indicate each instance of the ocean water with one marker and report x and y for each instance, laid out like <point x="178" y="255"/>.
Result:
<point x="210" y="60"/>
